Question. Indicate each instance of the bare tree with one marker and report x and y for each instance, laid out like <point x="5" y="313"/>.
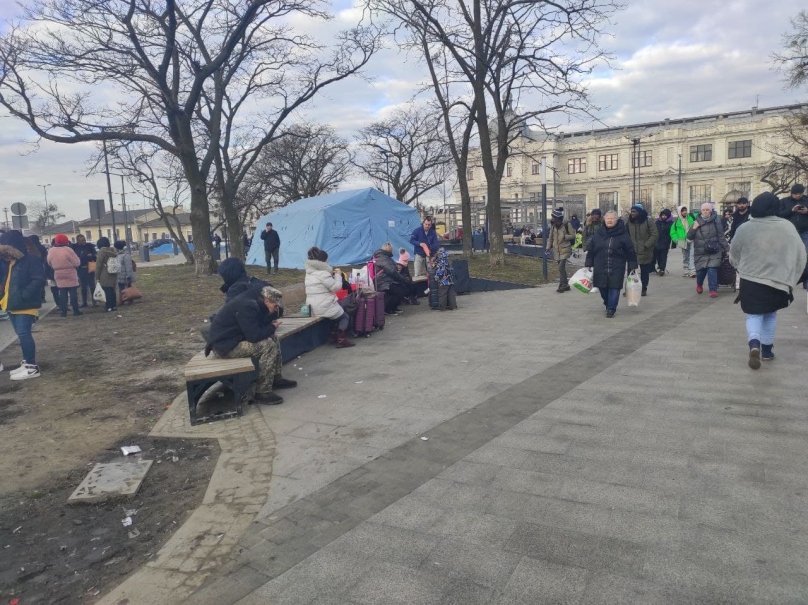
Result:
<point x="45" y="214"/>
<point x="307" y="160"/>
<point x="520" y="61"/>
<point x="793" y="61"/>
<point x="406" y="152"/>
<point x="163" y="64"/>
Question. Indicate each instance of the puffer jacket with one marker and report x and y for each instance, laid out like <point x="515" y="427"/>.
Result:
<point x="64" y="263"/>
<point x="610" y="253"/>
<point x="104" y="277"/>
<point x="678" y="230"/>
<point x="643" y="234"/>
<point x="709" y="229"/>
<point x="560" y="240"/>
<point x="386" y="272"/>
<point x="27" y="274"/>
<point x="321" y="286"/>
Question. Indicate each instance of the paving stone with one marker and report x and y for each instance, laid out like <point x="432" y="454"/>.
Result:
<point x="387" y="584"/>
<point x="472" y="563"/>
<point x="536" y="581"/>
<point x="111" y="479"/>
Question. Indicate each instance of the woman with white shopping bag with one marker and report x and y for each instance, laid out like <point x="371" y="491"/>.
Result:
<point x="609" y="252"/>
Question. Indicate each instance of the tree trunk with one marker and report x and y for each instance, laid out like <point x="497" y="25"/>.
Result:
<point x="465" y="213"/>
<point x="178" y="237"/>
<point x="233" y="223"/>
<point x="200" y="227"/>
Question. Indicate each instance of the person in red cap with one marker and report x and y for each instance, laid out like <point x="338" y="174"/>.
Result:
<point x="65" y="264"/>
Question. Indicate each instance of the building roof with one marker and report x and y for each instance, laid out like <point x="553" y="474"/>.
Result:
<point x="183" y="217"/>
<point x="65" y="227"/>
<point x="131" y="215"/>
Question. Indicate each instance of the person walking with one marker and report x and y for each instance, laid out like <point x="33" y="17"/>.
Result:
<point x="559" y="242"/>
<point x="593" y="222"/>
<point x="106" y="270"/>
<point x="678" y="232"/>
<point x="22" y="279"/>
<point x="86" y="270"/>
<point x="663" y="243"/>
<point x="739" y="217"/>
<point x="127" y="269"/>
<point x="65" y="263"/>
<point x="770" y="259"/>
<point x="272" y="246"/>
<point x="643" y="233"/>
<point x="609" y="253"/>
<point x="424" y="240"/>
<point x="709" y="247"/>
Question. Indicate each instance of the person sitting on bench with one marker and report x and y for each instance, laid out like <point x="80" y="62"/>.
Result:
<point x="244" y="327"/>
<point x="322" y="283"/>
<point x="389" y="280"/>
<point x="235" y="278"/>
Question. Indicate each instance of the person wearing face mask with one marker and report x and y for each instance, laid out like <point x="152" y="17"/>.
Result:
<point x="709" y="247"/>
<point x="608" y="254"/>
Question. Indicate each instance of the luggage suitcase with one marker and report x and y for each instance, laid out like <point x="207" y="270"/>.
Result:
<point x="378" y="320"/>
<point x="434" y="295"/>
<point x="726" y="273"/>
<point x="365" y="317"/>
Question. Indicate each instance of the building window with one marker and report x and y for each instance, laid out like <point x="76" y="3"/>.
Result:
<point x="576" y="165"/>
<point x="535" y="168"/>
<point x="743" y="187"/>
<point x="470" y="174"/>
<point x="643" y="159"/>
<point x="154" y="236"/>
<point x="508" y="169"/>
<point x="740" y="149"/>
<point x="89" y="235"/>
<point x="607" y="162"/>
<point x="700" y="194"/>
<point x="607" y="201"/>
<point x="645" y="196"/>
<point x="701" y="153"/>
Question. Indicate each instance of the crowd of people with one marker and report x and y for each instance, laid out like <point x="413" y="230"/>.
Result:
<point x="69" y="271"/>
<point x="766" y="256"/>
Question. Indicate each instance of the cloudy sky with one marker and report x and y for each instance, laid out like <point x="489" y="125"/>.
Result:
<point x="671" y="59"/>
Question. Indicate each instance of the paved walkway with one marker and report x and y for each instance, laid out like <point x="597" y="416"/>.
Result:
<point x="526" y="449"/>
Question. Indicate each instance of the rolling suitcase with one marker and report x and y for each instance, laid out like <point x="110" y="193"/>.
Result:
<point x="434" y="294"/>
<point x="378" y="320"/>
<point x="365" y="317"/>
<point x="726" y="273"/>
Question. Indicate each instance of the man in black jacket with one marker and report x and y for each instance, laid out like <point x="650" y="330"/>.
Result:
<point x="272" y="246"/>
<point x="86" y="254"/>
<point x="788" y="204"/>
<point x="244" y="327"/>
<point x="740" y="216"/>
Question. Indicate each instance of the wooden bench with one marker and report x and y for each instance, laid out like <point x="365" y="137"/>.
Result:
<point x="206" y="376"/>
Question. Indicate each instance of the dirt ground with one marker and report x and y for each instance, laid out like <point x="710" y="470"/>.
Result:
<point x="106" y="379"/>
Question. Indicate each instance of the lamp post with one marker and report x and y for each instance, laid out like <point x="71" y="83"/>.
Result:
<point x="544" y="217"/>
<point x="680" y="180"/>
<point x="125" y="216"/>
<point x="109" y="189"/>
<point x="45" y="194"/>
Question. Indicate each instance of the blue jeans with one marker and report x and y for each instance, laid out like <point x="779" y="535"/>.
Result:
<point x="22" y="327"/>
<point x="712" y="278"/>
<point x="761" y="327"/>
<point x="610" y="296"/>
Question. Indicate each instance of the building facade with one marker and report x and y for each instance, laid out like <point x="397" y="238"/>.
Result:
<point x="715" y="158"/>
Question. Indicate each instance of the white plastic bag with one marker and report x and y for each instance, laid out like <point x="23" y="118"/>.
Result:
<point x="633" y="289"/>
<point x="582" y="280"/>
<point x="363" y="281"/>
<point x="98" y="293"/>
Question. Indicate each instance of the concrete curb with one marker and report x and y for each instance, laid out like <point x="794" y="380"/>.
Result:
<point x="238" y="489"/>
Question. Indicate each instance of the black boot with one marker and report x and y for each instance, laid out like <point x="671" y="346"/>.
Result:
<point x="766" y="353"/>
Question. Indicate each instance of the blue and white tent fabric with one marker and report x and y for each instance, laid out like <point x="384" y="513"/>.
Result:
<point x="349" y="225"/>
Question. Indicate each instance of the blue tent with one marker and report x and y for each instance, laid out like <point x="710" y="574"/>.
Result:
<point x="349" y="225"/>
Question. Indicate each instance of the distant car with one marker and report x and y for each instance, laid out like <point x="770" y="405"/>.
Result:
<point x="156" y="243"/>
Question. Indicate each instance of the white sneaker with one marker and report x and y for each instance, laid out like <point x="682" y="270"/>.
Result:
<point x="19" y="369"/>
<point x="27" y="371"/>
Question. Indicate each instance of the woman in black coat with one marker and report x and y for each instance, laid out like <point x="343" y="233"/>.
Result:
<point x="608" y="253"/>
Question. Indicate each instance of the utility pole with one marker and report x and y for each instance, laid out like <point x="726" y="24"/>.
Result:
<point x="544" y="217"/>
<point x="6" y="211"/>
<point x="680" y="180"/>
<point x="109" y="190"/>
<point x="47" y="210"/>
<point x="634" y="161"/>
<point x="125" y="217"/>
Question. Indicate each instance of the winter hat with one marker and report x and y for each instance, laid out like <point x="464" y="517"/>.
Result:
<point x="638" y="206"/>
<point x="765" y="204"/>
<point x="60" y="240"/>
<point x="14" y="239"/>
<point x="596" y="212"/>
<point x="120" y="245"/>
<point x="271" y="294"/>
<point x="558" y="213"/>
<point x="103" y="242"/>
<point x="665" y="212"/>
<point x="798" y="188"/>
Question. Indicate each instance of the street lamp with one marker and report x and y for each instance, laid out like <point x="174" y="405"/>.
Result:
<point x="45" y="193"/>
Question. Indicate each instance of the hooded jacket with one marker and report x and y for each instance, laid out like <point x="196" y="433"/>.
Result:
<point x="27" y="274"/>
<point x="678" y="229"/>
<point x="245" y="317"/>
<point x="104" y="277"/>
<point x="235" y="278"/>
<point x="560" y="240"/>
<point x="386" y="272"/>
<point x="609" y="253"/>
<point x="643" y="234"/>
<point x="709" y="229"/>
<point x="64" y="263"/>
<point x="321" y="287"/>
<point x="663" y="227"/>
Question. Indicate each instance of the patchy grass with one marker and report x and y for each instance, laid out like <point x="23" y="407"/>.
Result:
<point x="517" y="269"/>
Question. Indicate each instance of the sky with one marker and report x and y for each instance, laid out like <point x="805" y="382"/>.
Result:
<point x="670" y="60"/>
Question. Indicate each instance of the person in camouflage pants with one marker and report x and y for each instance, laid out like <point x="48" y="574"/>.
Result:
<point x="267" y="352"/>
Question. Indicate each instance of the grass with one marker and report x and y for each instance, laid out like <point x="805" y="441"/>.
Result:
<point x="517" y="269"/>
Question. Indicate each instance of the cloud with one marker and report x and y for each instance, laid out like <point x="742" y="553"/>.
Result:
<point x="673" y="60"/>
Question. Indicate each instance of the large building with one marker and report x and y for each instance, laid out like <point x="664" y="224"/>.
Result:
<point x="713" y="158"/>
